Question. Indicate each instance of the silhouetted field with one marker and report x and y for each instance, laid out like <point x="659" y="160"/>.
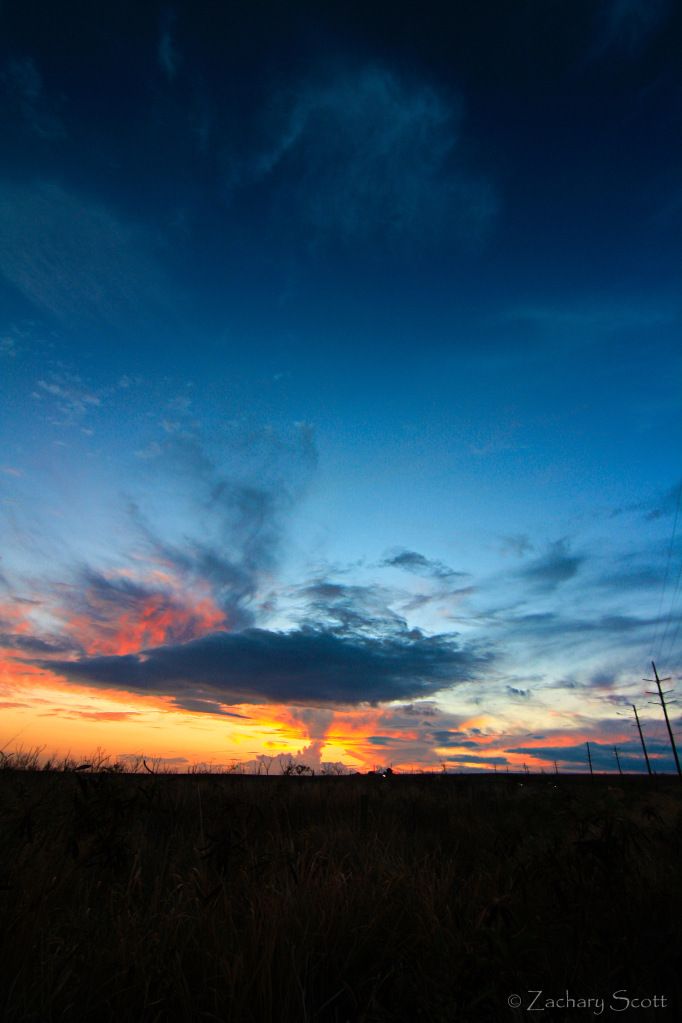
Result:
<point x="435" y="898"/>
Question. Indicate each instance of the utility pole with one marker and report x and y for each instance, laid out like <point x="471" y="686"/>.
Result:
<point x="661" y="696"/>
<point x="641" y="737"/>
<point x="589" y="757"/>
<point x="556" y="769"/>
<point x="620" y="769"/>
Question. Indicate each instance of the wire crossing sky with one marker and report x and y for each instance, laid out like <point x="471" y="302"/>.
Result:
<point x="340" y="376"/>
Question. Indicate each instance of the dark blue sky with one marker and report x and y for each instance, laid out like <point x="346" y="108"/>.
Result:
<point x="332" y="331"/>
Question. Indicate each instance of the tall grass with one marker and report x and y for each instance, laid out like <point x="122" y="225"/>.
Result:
<point x="150" y="897"/>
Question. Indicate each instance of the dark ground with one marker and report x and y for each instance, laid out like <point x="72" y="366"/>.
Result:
<point x="321" y="900"/>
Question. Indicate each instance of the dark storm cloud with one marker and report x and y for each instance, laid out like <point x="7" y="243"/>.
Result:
<point x="363" y="154"/>
<point x="553" y="568"/>
<point x="307" y="666"/>
<point x="418" y="564"/>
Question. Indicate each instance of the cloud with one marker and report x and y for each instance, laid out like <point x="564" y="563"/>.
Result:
<point x="237" y="491"/>
<point x="317" y="720"/>
<point x="100" y="715"/>
<point x="363" y="154"/>
<point x="119" y="614"/>
<point x="349" y="609"/>
<point x="517" y="543"/>
<point x="467" y="758"/>
<point x="602" y="754"/>
<point x="35" y="644"/>
<point x="425" y="708"/>
<point x="72" y="258"/>
<point x="669" y="504"/>
<point x="443" y="599"/>
<point x="548" y="625"/>
<point x="418" y="564"/>
<point x="450" y="737"/>
<point x="643" y="578"/>
<point x="628" y="25"/>
<point x="314" y="667"/>
<point x="24" y="91"/>
<point x="167" y="53"/>
<point x="557" y="566"/>
<point x="152" y="450"/>
<point x="200" y="547"/>
<point x="135" y="758"/>
<point x="200" y="706"/>
<point x="71" y="398"/>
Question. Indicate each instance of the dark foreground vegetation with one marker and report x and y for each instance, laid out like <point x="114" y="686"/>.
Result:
<point x="140" y="897"/>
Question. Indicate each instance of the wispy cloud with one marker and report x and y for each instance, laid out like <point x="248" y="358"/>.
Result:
<point x="419" y="564"/>
<point x="518" y="544"/>
<point x="23" y="87"/>
<point x="70" y="398"/>
<point x="238" y="494"/>
<point x="553" y="568"/>
<point x="167" y="52"/>
<point x="658" y="507"/>
<point x="364" y="154"/>
<point x="628" y="25"/>
<point x="118" y="613"/>
<point x="72" y="258"/>
<point x="348" y="608"/>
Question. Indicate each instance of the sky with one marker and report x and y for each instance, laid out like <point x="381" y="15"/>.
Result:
<point x="340" y="366"/>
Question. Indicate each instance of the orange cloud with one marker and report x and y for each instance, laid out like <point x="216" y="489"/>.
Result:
<point x="120" y="623"/>
<point x="14" y="618"/>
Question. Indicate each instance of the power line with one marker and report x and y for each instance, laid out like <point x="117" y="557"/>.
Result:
<point x="620" y="769"/>
<point x="661" y="696"/>
<point x="657" y="626"/>
<point x="641" y="736"/>
<point x="673" y="640"/>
